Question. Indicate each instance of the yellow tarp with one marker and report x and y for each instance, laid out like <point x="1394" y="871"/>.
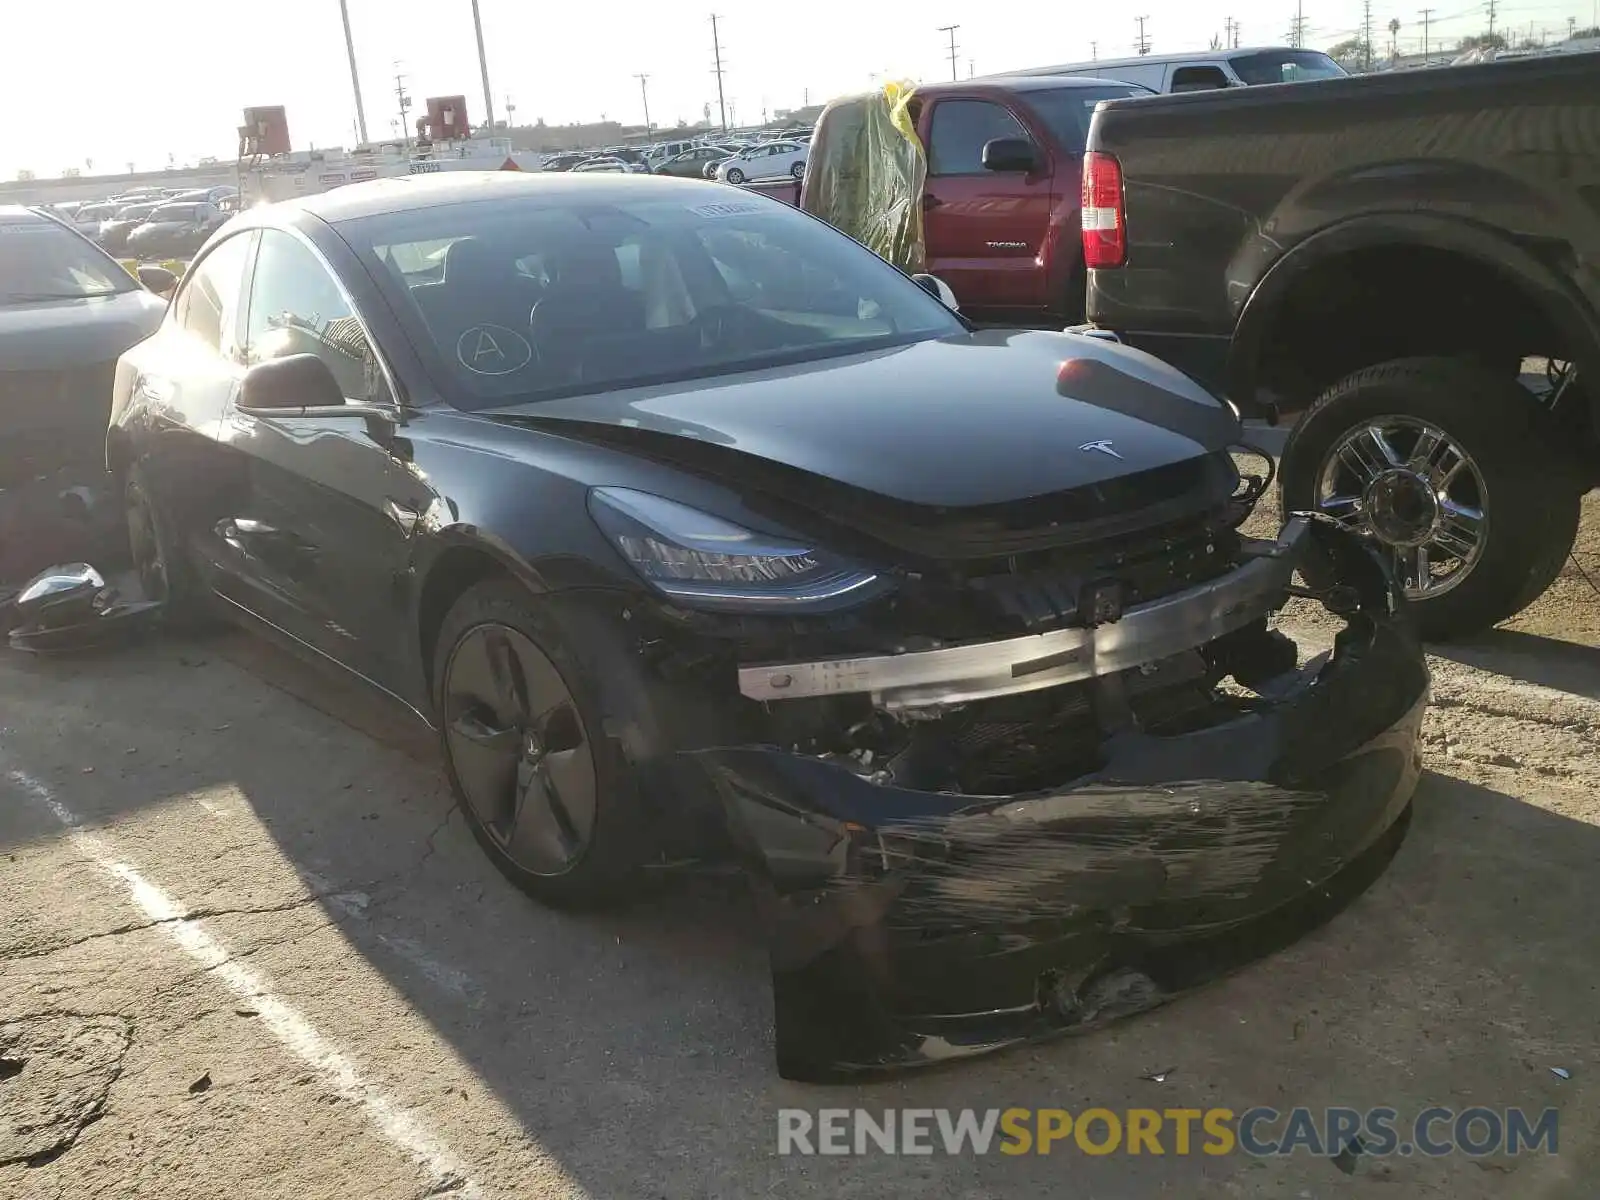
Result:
<point x="865" y="172"/>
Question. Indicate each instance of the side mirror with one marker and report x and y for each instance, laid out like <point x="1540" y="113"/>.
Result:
<point x="158" y="279"/>
<point x="1010" y="154"/>
<point x="294" y="381"/>
<point x="938" y="289"/>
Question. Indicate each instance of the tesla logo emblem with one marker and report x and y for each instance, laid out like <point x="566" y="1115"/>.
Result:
<point x="1103" y="446"/>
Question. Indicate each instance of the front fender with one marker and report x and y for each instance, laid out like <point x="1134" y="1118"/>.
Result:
<point x="1558" y="298"/>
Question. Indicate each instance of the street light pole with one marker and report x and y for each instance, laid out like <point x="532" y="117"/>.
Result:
<point x="483" y="67"/>
<point x="644" y="94"/>
<point x="355" y="79"/>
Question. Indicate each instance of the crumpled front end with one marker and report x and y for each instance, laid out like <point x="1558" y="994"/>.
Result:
<point x="1211" y="802"/>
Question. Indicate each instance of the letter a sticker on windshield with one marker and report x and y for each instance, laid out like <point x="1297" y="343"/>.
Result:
<point x="493" y="350"/>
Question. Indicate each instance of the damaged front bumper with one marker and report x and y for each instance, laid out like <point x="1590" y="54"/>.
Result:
<point x="912" y="926"/>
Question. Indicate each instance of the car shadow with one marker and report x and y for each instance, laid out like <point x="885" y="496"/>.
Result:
<point x="634" y="1046"/>
<point x="1547" y="662"/>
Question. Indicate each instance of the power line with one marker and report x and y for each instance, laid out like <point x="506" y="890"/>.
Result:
<point x="951" y="30"/>
<point x="1144" y="41"/>
<point x="716" y="49"/>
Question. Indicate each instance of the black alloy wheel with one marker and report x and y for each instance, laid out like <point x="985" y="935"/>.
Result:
<point x="543" y="799"/>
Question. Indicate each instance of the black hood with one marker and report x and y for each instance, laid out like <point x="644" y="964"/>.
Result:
<point x="74" y="333"/>
<point x="955" y="423"/>
<point x="993" y="442"/>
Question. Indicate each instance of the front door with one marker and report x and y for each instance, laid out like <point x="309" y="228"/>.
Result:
<point x="984" y="230"/>
<point x="185" y="378"/>
<point x="324" y="532"/>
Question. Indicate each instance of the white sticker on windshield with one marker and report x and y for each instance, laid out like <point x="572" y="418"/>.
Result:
<point x="493" y="350"/>
<point x="727" y="208"/>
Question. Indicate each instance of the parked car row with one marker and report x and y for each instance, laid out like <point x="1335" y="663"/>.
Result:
<point x="152" y="222"/>
<point x="762" y="157"/>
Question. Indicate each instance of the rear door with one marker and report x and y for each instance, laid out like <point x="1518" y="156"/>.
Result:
<point x="984" y="230"/>
<point x="322" y="535"/>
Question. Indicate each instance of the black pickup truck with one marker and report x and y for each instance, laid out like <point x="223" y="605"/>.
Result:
<point x="1388" y="257"/>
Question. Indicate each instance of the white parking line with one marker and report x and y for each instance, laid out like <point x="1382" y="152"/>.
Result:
<point x="446" y="1173"/>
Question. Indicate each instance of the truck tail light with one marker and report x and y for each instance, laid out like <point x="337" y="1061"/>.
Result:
<point x="1105" y="234"/>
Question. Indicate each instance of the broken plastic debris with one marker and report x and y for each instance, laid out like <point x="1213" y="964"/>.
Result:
<point x="1159" y="1076"/>
<point x="203" y="1084"/>
<point x="1561" y="1072"/>
<point x="1345" y="1160"/>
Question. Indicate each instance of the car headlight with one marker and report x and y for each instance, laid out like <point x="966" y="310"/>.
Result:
<point x="707" y="562"/>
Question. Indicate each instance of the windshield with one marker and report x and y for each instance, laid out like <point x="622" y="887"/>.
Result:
<point x="1066" y="111"/>
<point x="531" y="300"/>
<point x="39" y="260"/>
<point x="1285" y="66"/>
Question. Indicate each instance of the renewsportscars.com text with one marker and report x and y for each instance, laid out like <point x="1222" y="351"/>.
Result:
<point x="1259" y="1132"/>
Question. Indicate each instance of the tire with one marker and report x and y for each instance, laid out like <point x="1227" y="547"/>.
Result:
<point x="164" y="574"/>
<point x="566" y="728"/>
<point x="1528" y="489"/>
<point x="798" y="170"/>
<point x="735" y="175"/>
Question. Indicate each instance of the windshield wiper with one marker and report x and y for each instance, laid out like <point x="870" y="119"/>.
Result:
<point x="41" y="297"/>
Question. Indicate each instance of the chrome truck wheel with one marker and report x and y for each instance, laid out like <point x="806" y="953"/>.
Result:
<point x="1451" y="472"/>
<point x="1410" y="487"/>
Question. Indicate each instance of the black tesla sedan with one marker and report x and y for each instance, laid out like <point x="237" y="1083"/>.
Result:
<point x="699" y="532"/>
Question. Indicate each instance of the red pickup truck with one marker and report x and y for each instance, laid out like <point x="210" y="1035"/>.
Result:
<point x="1003" y="191"/>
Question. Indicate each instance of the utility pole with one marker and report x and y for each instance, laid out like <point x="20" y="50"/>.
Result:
<point x="1366" y="35"/>
<point x="511" y="111"/>
<point x="1297" y="31"/>
<point x="1227" y="31"/>
<point x="405" y="105"/>
<point x="483" y="68"/>
<point x="1427" y="19"/>
<point x="1094" y="51"/>
<point x="951" y="30"/>
<point x="1491" y="20"/>
<point x="1144" y="42"/>
<point x="971" y="68"/>
<point x="355" y="79"/>
<point x="716" y="49"/>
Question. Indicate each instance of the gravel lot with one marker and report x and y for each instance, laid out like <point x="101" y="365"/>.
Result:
<point x="245" y="950"/>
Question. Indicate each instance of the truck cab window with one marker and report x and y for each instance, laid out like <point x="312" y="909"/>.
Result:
<point x="961" y="129"/>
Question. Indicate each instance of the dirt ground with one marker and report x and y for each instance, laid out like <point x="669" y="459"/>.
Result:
<point x="247" y="951"/>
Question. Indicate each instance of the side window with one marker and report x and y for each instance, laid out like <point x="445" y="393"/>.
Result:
<point x="960" y="130"/>
<point x="1198" y="79"/>
<point x="208" y="306"/>
<point x="297" y="307"/>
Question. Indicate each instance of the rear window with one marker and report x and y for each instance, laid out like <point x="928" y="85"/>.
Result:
<point x="1285" y="66"/>
<point x="1066" y="111"/>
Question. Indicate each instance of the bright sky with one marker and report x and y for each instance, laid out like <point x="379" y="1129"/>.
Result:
<point x="109" y="82"/>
